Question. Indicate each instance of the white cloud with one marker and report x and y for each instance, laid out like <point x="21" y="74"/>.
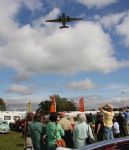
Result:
<point x="21" y="89"/>
<point x="81" y="85"/>
<point x="38" y="23"/>
<point x="47" y="49"/>
<point x="9" y="8"/>
<point x="96" y="101"/>
<point x="115" y="86"/>
<point x="120" y="22"/>
<point x="96" y="3"/>
<point x="111" y="20"/>
<point x="122" y="29"/>
<point x="32" y="4"/>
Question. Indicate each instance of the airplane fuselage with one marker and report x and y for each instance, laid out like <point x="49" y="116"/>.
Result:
<point x="63" y="19"/>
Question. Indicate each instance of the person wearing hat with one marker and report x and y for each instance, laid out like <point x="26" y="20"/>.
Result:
<point x="108" y="115"/>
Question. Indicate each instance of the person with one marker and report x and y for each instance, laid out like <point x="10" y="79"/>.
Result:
<point x="29" y="119"/>
<point x="121" y="121"/>
<point x="108" y="115"/>
<point x="99" y="127"/>
<point x="54" y="131"/>
<point x="81" y="131"/>
<point x="58" y="118"/>
<point x="72" y="122"/>
<point x="89" y="118"/>
<point x="126" y="115"/>
<point x="36" y="132"/>
<point x="116" y="128"/>
<point x="66" y="125"/>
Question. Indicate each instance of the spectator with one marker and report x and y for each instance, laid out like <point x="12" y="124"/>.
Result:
<point x="54" y="131"/>
<point x="89" y="118"/>
<point x="116" y="129"/>
<point x="108" y="114"/>
<point x="66" y="125"/>
<point x="126" y="115"/>
<point x="37" y="132"/>
<point x="99" y="127"/>
<point x="80" y="133"/>
<point x="29" y="119"/>
<point x="72" y="122"/>
<point x="121" y="121"/>
<point x="58" y="118"/>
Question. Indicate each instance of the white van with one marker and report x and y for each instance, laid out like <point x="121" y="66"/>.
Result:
<point x="11" y="116"/>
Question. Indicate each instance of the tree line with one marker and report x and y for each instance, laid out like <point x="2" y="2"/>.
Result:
<point x="62" y="104"/>
<point x="2" y="105"/>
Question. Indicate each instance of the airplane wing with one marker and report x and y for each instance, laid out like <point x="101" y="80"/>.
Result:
<point x="74" y="19"/>
<point x="53" y="20"/>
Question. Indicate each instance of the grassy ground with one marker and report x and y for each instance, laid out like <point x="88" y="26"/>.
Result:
<point x="11" y="141"/>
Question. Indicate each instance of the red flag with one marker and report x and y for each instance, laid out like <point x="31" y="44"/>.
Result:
<point x="81" y="104"/>
<point x="53" y="105"/>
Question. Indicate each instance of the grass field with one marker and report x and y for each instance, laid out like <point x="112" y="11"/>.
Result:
<point x="11" y="141"/>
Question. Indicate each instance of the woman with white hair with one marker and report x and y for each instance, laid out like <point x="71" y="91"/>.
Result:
<point x="81" y="131"/>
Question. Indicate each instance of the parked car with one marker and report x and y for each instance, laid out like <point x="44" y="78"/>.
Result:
<point x="18" y="125"/>
<point x="4" y="126"/>
<point x="114" y="144"/>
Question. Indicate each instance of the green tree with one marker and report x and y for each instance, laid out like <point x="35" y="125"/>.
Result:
<point x="44" y="106"/>
<point x="62" y="104"/>
<point x="2" y="105"/>
<point x="70" y="106"/>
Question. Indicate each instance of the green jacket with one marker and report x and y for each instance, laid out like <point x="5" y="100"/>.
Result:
<point x="54" y="132"/>
<point x="36" y="133"/>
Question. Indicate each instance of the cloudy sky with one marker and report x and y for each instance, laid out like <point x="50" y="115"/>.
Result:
<point x="90" y="58"/>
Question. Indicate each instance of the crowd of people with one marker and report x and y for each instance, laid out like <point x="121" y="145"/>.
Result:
<point x="58" y="130"/>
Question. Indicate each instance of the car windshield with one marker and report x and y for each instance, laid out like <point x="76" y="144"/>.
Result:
<point x="4" y="123"/>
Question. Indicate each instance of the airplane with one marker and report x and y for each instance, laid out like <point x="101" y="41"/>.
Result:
<point x="63" y="19"/>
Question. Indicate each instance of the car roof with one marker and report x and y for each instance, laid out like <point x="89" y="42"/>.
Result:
<point x="1" y="120"/>
<point x="106" y="143"/>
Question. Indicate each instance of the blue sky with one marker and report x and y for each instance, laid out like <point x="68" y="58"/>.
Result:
<point x="90" y="58"/>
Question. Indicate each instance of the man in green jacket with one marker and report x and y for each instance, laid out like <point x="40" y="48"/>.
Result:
<point x="36" y="132"/>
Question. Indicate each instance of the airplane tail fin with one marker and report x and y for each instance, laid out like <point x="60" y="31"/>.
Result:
<point x="64" y="27"/>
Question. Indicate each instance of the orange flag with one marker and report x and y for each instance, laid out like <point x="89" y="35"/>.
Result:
<point x="53" y="105"/>
<point x="81" y="104"/>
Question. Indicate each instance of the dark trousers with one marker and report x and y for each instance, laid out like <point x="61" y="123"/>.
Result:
<point x="68" y="137"/>
<point x="122" y="130"/>
<point x="117" y="135"/>
<point x="100" y="137"/>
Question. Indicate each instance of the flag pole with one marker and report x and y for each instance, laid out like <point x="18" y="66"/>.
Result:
<point x="55" y="103"/>
<point x="29" y="106"/>
<point x="81" y="104"/>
